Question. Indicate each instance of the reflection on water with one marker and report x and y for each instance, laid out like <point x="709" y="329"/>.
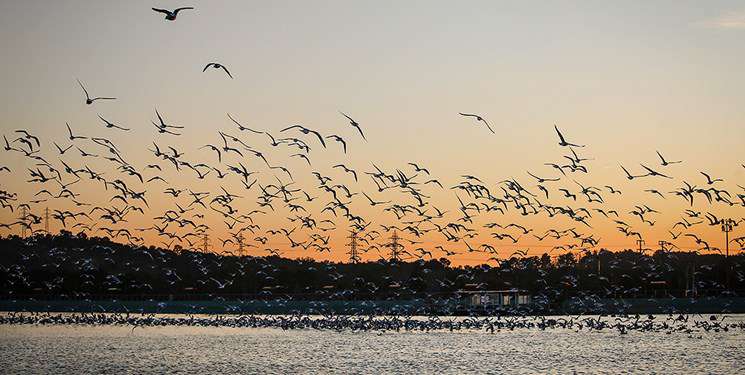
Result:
<point x="106" y="349"/>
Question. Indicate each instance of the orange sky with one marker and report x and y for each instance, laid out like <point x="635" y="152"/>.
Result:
<point x="619" y="78"/>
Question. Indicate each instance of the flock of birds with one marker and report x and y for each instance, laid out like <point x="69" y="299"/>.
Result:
<point x="692" y="325"/>
<point x="246" y="160"/>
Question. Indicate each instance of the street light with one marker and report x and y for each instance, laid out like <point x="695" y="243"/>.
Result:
<point x="727" y="226"/>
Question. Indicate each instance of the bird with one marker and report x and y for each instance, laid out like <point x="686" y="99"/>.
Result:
<point x="88" y="99"/>
<point x="71" y="136"/>
<point x="665" y="163"/>
<point x="711" y="181"/>
<point x="629" y="175"/>
<point x="217" y="66"/>
<point x="305" y="130"/>
<point x="478" y="118"/>
<point x="338" y="139"/>
<point x="563" y="142"/>
<point x="110" y="124"/>
<point x="346" y="169"/>
<point x="653" y="172"/>
<point x="171" y="15"/>
<point x="354" y="124"/>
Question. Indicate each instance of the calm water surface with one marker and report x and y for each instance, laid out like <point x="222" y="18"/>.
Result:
<point x="120" y="349"/>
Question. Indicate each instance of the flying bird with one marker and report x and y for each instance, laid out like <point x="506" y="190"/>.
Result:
<point x="563" y="142"/>
<point x="88" y="99"/>
<point x="478" y="118"/>
<point x="355" y="124"/>
<point x="110" y="124"/>
<point x="665" y="163"/>
<point x="217" y="66"/>
<point x="171" y="15"/>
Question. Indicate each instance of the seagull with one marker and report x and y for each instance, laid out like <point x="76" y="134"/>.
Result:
<point x="73" y="137"/>
<point x="217" y="66"/>
<point x="478" y="118"/>
<point x="709" y="180"/>
<point x="629" y="175"/>
<point x="654" y="173"/>
<point x="111" y="124"/>
<point x="338" y="139"/>
<point x="171" y="15"/>
<point x="348" y="170"/>
<point x="542" y="180"/>
<point x="355" y="124"/>
<point x="88" y="99"/>
<point x="563" y="142"/>
<point x="665" y="163"/>
<point x="305" y="130"/>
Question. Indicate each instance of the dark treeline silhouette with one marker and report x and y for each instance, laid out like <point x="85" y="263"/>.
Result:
<point x="68" y="266"/>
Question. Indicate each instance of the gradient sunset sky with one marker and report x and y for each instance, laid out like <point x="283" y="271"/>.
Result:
<point x="626" y="78"/>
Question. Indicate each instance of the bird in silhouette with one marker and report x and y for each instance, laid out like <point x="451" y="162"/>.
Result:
<point x="217" y="66"/>
<point x="305" y="130"/>
<point x="563" y="142"/>
<point x="711" y="181"/>
<point x="665" y="163"/>
<point x="88" y="99"/>
<point x="478" y="118"/>
<point x="354" y="124"/>
<point x="110" y="124"/>
<point x="171" y="14"/>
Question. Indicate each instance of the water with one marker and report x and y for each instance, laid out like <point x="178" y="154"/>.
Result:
<point x="28" y="349"/>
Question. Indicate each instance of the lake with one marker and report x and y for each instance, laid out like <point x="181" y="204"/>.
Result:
<point x="28" y="349"/>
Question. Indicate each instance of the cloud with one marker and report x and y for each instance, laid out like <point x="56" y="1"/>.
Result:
<point x="729" y="20"/>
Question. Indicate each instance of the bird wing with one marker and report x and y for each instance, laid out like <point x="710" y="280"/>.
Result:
<point x="290" y="127"/>
<point x="627" y="172"/>
<point x="226" y="71"/>
<point x="84" y="90"/>
<point x="161" y="11"/>
<point x="559" y="133"/>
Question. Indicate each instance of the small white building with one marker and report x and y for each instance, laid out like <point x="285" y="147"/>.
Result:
<point x="495" y="298"/>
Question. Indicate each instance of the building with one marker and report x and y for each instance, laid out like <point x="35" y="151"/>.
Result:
<point x="495" y="298"/>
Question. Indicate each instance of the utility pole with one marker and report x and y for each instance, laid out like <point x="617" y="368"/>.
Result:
<point x="727" y="226"/>
<point x="395" y="246"/>
<point x="46" y="220"/>
<point x="205" y="242"/>
<point x="240" y="244"/>
<point x="597" y="258"/>
<point x="24" y="218"/>
<point x="641" y="243"/>
<point x="354" y="256"/>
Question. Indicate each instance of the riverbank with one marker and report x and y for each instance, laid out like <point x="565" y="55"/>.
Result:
<point x="414" y="307"/>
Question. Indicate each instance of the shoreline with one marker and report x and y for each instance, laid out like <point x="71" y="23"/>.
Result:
<point x="709" y="305"/>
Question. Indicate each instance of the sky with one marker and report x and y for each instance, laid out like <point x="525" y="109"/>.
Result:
<point x="627" y="79"/>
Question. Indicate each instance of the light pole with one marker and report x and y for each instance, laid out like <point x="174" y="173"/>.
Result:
<point x="727" y="226"/>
